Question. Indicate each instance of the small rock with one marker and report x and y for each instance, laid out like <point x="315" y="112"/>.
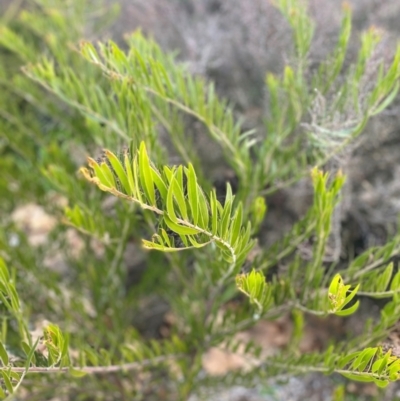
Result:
<point x="35" y="222"/>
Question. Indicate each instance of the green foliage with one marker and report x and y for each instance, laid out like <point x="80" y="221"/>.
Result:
<point x="175" y="196"/>
<point x="157" y="232"/>
<point x="338" y="297"/>
<point x="254" y="286"/>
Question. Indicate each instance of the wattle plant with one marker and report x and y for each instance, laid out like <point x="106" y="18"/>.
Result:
<point x="147" y="270"/>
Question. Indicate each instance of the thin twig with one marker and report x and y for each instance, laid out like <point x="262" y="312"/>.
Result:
<point x="96" y="370"/>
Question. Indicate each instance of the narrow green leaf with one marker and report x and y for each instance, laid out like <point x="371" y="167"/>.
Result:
<point x="229" y="196"/>
<point x="108" y="174"/>
<point x="166" y="237"/>
<point x="387" y="101"/>
<point x="7" y="382"/>
<point x="204" y="213"/>
<point x="348" y="311"/>
<point x="350" y="296"/>
<point x="196" y="244"/>
<point x="91" y="356"/>
<point x="129" y="173"/>
<point x="236" y="224"/>
<point x="365" y="358"/>
<point x="381" y="383"/>
<point x="65" y="347"/>
<point x="14" y="375"/>
<point x="394" y="370"/>
<point x="3" y="354"/>
<point x="177" y="185"/>
<point x="214" y="212"/>
<point x="225" y="218"/>
<point x="395" y="284"/>
<point x="345" y="360"/>
<point x="358" y="378"/>
<point x="89" y="51"/>
<point x="170" y="202"/>
<point x="169" y="172"/>
<point x="4" y="275"/>
<point x="117" y="53"/>
<point x="193" y="193"/>
<point x="76" y="372"/>
<point x="30" y="351"/>
<point x="384" y="279"/>
<point x="178" y="228"/>
<point x="146" y="177"/>
<point x="160" y="184"/>
<point x="119" y="171"/>
<point x="135" y="170"/>
<point x="12" y="293"/>
<point x="381" y="364"/>
<point x="153" y="245"/>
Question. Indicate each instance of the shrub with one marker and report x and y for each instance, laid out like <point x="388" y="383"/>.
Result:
<point x="202" y="260"/>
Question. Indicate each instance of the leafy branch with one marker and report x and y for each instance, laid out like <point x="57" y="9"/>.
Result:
<point x="176" y="197"/>
<point x="368" y="365"/>
<point x="156" y="75"/>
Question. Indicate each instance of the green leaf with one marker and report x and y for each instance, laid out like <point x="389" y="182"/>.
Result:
<point x="89" y="51"/>
<point x="193" y="193"/>
<point x="4" y="275"/>
<point x="180" y="229"/>
<point x="214" y="212"/>
<point x="76" y="372"/>
<point x="196" y="244"/>
<point x="30" y="353"/>
<point x="348" y="311"/>
<point x="7" y="381"/>
<point x="394" y="370"/>
<point x="381" y="364"/>
<point x="146" y="177"/>
<point x="365" y="358"/>
<point x="135" y="169"/>
<point x="229" y="195"/>
<point x="108" y="175"/>
<point x="345" y="360"/>
<point x="384" y="278"/>
<point x="3" y="354"/>
<point x="129" y="173"/>
<point x="177" y="184"/>
<point x="160" y="184"/>
<point x="387" y="101"/>
<point x="119" y="171"/>
<point x="165" y="237"/>
<point x="258" y="210"/>
<point x="358" y="377"/>
<point x="225" y="219"/>
<point x="254" y="286"/>
<point x="395" y="284"/>
<point x="338" y="298"/>
<point x="170" y="202"/>
<point x="92" y="356"/>
<point x="236" y="224"/>
<point x="381" y="383"/>
<point x="350" y="296"/>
